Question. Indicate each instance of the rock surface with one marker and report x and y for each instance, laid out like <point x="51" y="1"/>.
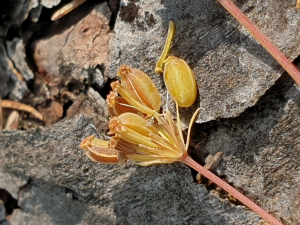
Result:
<point x="92" y="105"/>
<point x="74" y="48"/>
<point x="265" y="144"/>
<point x="56" y="183"/>
<point x="16" y="52"/>
<point x="11" y="81"/>
<point x="261" y="148"/>
<point x="232" y="70"/>
<point x="84" y="192"/>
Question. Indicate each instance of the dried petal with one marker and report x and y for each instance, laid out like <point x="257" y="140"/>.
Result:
<point x="127" y="134"/>
<point x="122" y="146"/>
<point x="97" y="150"/>
<point x="137" y="123"/>
<point x="117" y="105"/>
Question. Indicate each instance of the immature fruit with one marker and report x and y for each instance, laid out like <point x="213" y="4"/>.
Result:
<point x="140" y="86"/>
<point x="180" y="81"/>
<point x="178" y="76"/>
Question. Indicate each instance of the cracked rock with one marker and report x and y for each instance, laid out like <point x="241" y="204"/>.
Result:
<point x="112" y="194"/>
<point x="16" y="53"/>
<point x="232" y="70"/>
<point x="92" y="105"/>
<point x="261" y="151"/>
<point x="12" y="83"/>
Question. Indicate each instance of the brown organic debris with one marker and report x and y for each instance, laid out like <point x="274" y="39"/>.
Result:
<point x="66" y="9"/>
<point x="22" y="107"/>
<point x="52" y="113"/>
<point x="211" y="163"/>
<point x="66" y="57"/>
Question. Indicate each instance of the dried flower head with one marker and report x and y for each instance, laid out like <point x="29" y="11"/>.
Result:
<point x="154" y="138"/>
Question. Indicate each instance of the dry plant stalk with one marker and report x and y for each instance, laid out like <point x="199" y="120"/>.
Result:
<point x="145" y="136"/>
<point x="66" y="9"/>
<point x="298" y="4"/>
<point x="12" y="121"/>
<point x="19" y="106"/>
<point x="262" y="39"/>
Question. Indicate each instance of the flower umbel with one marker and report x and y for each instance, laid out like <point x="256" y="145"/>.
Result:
<point x="144" y="135"/>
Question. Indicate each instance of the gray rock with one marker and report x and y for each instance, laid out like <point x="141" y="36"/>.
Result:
<point x="97" y="78"/>
<point x="112" y="194"/>
<point x="261" y="151"/>
<point x="50" y="3"/>
<point x="91" y="105"/>
<point x="16" y="52"/>
<point x="2" y="211"/>
<point x="14" y="13"/>
<point x="232" y="70"/>
<point x="35" y="13"/>
<point x="11" y="84"/>
<point x="46" y="204"/>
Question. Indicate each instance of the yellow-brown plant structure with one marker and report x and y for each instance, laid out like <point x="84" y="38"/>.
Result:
<point x="144" y="135"/>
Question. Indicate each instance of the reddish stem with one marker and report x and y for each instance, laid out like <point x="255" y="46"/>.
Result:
<point x="239" y="196"/>
<point x="262" y="39"/>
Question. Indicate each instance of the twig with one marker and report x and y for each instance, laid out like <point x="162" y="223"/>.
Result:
<point x="22" y="107"/>
<point x="235" y="193"/>
<point x="262" y="39"/>
<point x="12" y="121"/>
<point x="66" y="9"/>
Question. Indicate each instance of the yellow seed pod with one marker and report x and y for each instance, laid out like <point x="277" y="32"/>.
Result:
<point x="180" y="81"/>
<point x="140" y="86"/>
<point x="178" y="76"/>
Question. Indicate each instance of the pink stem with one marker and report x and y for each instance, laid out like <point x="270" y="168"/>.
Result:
<point x="239" y="196"/>
<point x="262" y="39"/>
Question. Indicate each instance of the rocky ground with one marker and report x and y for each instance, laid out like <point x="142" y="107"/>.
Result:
<point x="249" y="109"/>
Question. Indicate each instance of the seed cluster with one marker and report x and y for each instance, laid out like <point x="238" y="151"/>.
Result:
<point x="140" y="132"/>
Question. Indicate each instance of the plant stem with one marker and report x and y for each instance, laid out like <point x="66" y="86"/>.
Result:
<point x="262" y="39"/>
<point x="231" y="190"/>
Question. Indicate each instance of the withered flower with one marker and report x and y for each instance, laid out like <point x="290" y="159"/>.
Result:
<point x="157" y="143"/>
<point x="155" y="138"/>
<point x="98" y="150"/>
